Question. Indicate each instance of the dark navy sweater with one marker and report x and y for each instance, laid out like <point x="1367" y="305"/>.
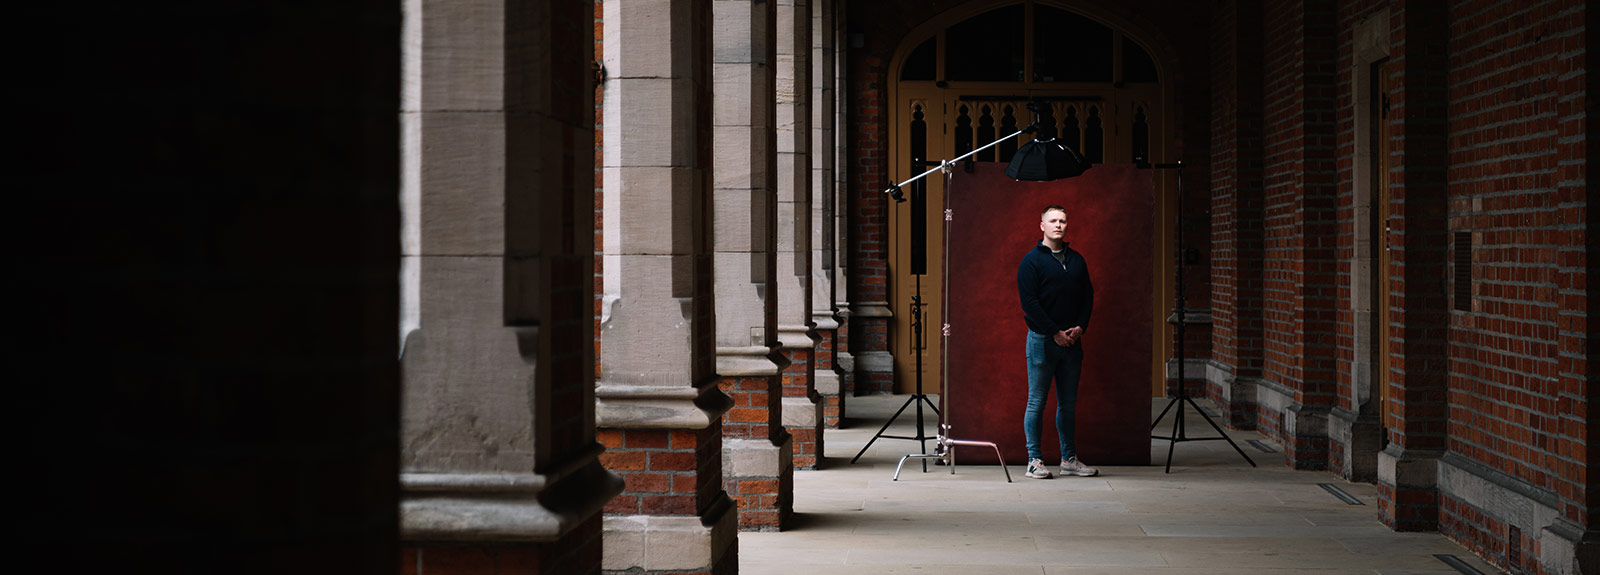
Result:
<point x="1055" y="295"/>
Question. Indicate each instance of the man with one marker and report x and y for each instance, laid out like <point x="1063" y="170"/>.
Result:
<point x="1053" y="281"/>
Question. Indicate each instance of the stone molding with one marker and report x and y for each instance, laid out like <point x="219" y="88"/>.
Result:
<point x="871" y="309"/>
<point x="1273" y="396"/>
<point x="752" y="361"/>
<point x="755" y="457"/>
<point x="1191" y="316"/>
<point x="1361" y="435"/>
<point x="1515" y="501"/>
<point x="1567" y="549"/>
<point x="875" y="361"/>
<point x="1408" y="468"/>
<point x="801" y="412"/>
<point x="505" y="507"/>
<point x="824" y="320"/>
<point x="797" y="337"/>
<point x="826" y="382"/>
<point x="1473" y="482"/>
<point x="1306" y="421"/>
<point x="625" y="406"/>
<point x="1193" y="368"/>
<point x="1235" y="390"/>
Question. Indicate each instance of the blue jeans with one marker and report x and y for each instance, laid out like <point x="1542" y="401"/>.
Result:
<point x="1046" y="362"/>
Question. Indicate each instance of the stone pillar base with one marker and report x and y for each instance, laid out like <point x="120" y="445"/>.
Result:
<point x="757" y="455"/>
<point x="1235" y="395"/>
<point x="576" y="552"/>
<point x="540" y="522"/>
<point x="802" y="405"/>
<point x="829" y="387"/>
<point x="826" y="378"/>
<point x="1354" y="441"/>
<point x="1305" y="431"/>
<point x="644" y="544"/>
<point x="874" y="373"/>
<point x="1408" y="495"/>
<point x="803" y="418"/>
<point x="759" y="477"/>
<point x="869" y="341"/>
<point x="1566" y="549"/>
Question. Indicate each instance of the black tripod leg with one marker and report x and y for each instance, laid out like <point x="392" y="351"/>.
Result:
<point x="1164" y="411"/>
<point x="885" y="427"/>
<point x="1177" y="429"/>
<point x="925" y="399"/>
<point x="1219" y="431"/>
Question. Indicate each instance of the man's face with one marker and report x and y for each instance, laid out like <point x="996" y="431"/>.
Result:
<point x="1054" y="225"/>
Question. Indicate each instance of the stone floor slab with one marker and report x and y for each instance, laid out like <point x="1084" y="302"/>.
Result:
<point x="1212" y="515"/>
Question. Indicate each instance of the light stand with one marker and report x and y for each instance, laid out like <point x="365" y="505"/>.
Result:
<point x="1179" y="432"/>
<point x="917" y="398"/>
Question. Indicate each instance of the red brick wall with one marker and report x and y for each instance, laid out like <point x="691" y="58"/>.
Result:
<point x="1488" y="136"/>
<point x="1517" y="161"/>
<point x="665" y="471"/>
<point x="757" y="401"/>
<point x="1504" y="353"/>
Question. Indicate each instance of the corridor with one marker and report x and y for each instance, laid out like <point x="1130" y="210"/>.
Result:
<point x="1213" y="515"/>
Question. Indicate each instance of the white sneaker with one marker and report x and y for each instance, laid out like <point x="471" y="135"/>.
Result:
<point x="1075" y="467"/>
<point x="1037" y="470"/>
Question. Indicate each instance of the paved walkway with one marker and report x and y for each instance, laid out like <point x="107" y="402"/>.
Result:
<point x="1213" y="515"/>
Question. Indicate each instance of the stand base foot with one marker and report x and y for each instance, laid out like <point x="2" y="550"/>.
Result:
<point x="945" y="452"/>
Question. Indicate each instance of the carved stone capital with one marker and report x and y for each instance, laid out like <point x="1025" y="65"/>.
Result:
<point x="624" y="406"/>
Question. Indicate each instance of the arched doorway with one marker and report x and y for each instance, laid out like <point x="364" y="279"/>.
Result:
<point x="961" y="81"/>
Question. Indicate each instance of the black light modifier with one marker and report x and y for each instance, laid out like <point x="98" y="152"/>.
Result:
<point x="1046" y="160"/>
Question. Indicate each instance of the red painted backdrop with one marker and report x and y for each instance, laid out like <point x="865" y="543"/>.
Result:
<point x="993" y="221"/>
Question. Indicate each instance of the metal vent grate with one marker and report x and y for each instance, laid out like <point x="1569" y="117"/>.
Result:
<point x="1258" y="444"/>
<point x="1457" y="564"/>
<point x="1347" y="498"/>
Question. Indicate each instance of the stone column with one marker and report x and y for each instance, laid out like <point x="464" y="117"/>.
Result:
<point x="759" y="469"/>
<point x="1408" y="493"/>
<point x="1237" y="190"/>
<point x="498" y="457"/>
<point x="802" y="408"/>
<point x="657" y="401"/>
<point x="823" y="206"/>
<point x="843" y="362"/>
<point x="204" y="363"/>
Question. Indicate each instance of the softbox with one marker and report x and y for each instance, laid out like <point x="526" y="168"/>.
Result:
<point x="1046" y="160"/>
